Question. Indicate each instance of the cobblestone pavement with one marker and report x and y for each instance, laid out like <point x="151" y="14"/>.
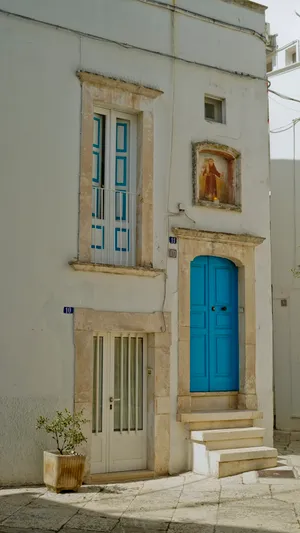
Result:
<point x="250" y="503"/>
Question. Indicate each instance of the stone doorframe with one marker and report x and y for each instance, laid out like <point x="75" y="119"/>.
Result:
<point x="240" y="249"/>
<point x="157" y="326"/>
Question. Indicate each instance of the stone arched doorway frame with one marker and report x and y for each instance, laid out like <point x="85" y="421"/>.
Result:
<point x="240" y="249"/>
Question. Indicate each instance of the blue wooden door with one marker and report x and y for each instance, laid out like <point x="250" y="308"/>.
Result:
<point x="214" y="361"/>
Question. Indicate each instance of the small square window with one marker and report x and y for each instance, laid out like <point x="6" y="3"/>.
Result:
<point x="291" y="55"/>
<point x="214" y="109"/>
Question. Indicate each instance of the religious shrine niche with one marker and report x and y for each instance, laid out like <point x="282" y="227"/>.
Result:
<point x="216" y="175"/>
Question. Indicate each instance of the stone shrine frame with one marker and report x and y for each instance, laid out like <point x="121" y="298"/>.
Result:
<point x="216" y="176"/>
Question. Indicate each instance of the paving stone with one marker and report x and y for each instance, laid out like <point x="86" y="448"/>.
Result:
<point x="286" y="493"/>
<point x="160" y="494"/>
<point x="266" y="528"/>
<point x="249" y="478"/>
<point x="258" y="514"/>
<point x="190" y="499"/>
<point x="112" y="507"/>
<point x="124" y="529"/>
<point x="91" y="521"/>
<point x="152" y="506"/>
<point x="188" y="503"/>
<point x="4" y="529"/>
<point x="232" y="480"/>
<point x="6" y="510"/>
<point x="191" y="528"/>
<point x="13" y="499"/>
<point x="66" y="529"/>
<point x="40" y="517"/>
<point x="146" y="521"/>
<point x="70" y="497"/>
<point x="119" y="488"/>
<point x="19" y="497"/>
<point x="155" y="500"/>
<point x="108" y="496"/>
<point x="205" y="485"/>
<point x="203" y="514"/>
<point x="297" y="508"/>
<point x="34" y="491"/>
<point x="294" y="459"/>
<point x="163" y="484"/>
<point x="244" y="492"/>
<point x="191" y="476"/>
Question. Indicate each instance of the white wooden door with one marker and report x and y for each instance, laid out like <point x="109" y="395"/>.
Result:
<point x="119" y="440"/>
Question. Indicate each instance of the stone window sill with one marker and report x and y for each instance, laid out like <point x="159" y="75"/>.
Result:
<point x="113" y="269"/>
<point x="226" y="207"/>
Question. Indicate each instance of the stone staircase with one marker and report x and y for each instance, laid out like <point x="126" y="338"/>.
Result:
<point x="226" y="443"/>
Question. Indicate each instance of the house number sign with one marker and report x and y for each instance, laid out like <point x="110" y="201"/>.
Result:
<point x="68" y="310"/>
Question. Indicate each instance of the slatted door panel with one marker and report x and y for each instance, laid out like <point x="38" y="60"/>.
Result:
<point x="129" y="426"/>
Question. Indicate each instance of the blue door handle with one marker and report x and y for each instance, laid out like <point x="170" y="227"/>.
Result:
<point x="224" y="308"/>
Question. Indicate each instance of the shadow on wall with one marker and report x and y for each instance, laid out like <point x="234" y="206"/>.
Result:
<point x="285" y="248"/>
<point x="285" y="197"/>
<point x="132" y="508"/>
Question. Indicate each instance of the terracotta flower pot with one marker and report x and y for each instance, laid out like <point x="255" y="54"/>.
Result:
<point x="63" y="472"/>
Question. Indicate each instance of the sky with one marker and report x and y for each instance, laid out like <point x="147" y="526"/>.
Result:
<point x="281" y="15"/>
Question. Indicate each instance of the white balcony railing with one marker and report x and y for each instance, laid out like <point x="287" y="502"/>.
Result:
<point x="113" y="226"/>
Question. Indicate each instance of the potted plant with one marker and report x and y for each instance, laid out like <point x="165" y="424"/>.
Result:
<point x="64" y="468"/>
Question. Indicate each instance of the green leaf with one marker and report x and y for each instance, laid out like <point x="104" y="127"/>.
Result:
<point x="65" y="428"/>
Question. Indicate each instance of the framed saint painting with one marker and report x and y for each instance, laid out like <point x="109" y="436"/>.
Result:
<point x="216" y="176"/>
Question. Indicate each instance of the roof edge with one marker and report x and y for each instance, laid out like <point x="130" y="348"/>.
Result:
<point x="248" y="4"/>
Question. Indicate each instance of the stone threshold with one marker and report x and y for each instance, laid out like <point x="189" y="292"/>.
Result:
<point x="121" y="477"/>
<point x="210" y="394"/>
<point x="113" y="269"/>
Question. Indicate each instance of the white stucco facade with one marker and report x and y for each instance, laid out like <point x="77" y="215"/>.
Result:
<point x="284" y="173"/>
<point x="40" y="148"/>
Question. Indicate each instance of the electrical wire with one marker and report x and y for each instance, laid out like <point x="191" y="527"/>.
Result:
<point x="284" y="126"/>
<point x="287" y="127"/>
<point x="294" y="189"/>
<point x="173" y="29"/>
<point x="282" y="105"/>
<point x="283" y="130"/>
<point x="284" y="96"/>
<point x="129" y="46"/>
<point x="206" y="18"/>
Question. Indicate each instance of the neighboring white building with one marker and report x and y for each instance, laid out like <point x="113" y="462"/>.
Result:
<point x="135" y="189"/>
<point x="284" y="111"/>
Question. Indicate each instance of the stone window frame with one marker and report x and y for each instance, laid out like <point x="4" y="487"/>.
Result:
<point x="234" y="165"/>
<point x="157" y="327"/>
<point x="240" y="249"/>
<point x="123" y="96"/>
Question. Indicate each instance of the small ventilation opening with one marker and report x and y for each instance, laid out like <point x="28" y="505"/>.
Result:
<point x="214" y="109"/>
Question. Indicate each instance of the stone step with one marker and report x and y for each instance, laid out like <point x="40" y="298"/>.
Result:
<point x="217" y="439"/>
<point x="198" y="420"/>
<point x="234" y="468"/>
<point x="223" y="456"/>
<point x="219" y="424"/>
<point x="227" y="434"/>
<point x="229" y="462"/>
<point x="208" y="401"/>
<point x="231" y="414"/>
